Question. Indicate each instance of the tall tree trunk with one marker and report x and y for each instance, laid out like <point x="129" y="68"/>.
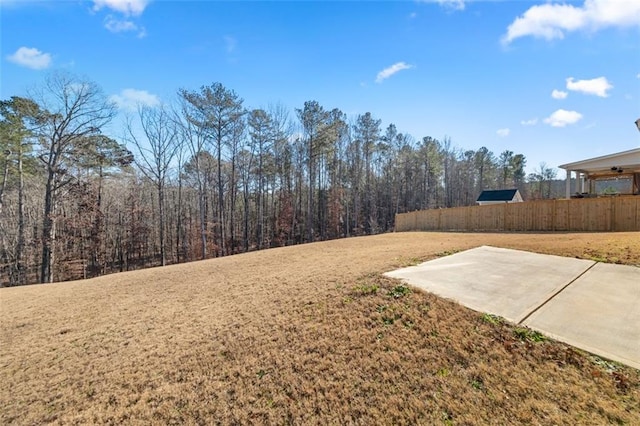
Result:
<point x="163" y="254"/>
<point x="202" y="202"/>
<point x="221" y="217"/>
<point x="48" y="231"/>
<point x="245" y="235"/>
<point x="5" y="176"/>
<point x="311" y="190"/>
<point x="232" y="207"/>
<point x="179" y="219"/>
<point x="21" y="278"/>
<point x="259" y="202"/>
<point x="96" y="233"/>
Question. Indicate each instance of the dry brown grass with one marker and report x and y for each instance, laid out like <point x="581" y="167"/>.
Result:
<point x="299" y="335"/>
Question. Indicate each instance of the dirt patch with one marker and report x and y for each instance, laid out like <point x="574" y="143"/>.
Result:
<point x="305" y="334"/>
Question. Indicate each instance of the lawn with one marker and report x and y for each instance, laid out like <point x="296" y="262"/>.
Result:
<point x="310" y="334"/>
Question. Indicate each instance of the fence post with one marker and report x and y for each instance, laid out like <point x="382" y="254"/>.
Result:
<point x="612" y="213"/>
<point x="504" y="216"/>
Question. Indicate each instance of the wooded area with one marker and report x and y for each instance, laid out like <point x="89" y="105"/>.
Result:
<point x="210" y="176"/>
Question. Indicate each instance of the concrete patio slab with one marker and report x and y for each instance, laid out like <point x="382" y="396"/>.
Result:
<point x="504" y="282"/>
<point x="593" y="306"/>
<point x="600" y="313"/>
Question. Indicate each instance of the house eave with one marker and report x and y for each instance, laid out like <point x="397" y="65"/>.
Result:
<point x="629" y="161"/>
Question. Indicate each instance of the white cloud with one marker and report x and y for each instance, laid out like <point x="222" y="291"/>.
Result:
<point x="503" y="133"/>
<point x="531" y="122"/>
<point x="562" y="118"/>
<point x="389" y="71"/>
<point x="596" y="86"/>
<point x="126" y="7"/>
<point x="119" y="25"/>
<point x="130" y="99"/>
<point x="123" y="25"/>
<point x="451" y="4"/>
<point x="30" y="57"/>
<point x="553" y="20"/>
<point x="559" y="94"/>
<point x="638" y="75"/>
<point x="230" y="43"/>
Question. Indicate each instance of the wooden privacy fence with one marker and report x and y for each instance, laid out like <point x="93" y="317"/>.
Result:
<point x="585" y="214"/>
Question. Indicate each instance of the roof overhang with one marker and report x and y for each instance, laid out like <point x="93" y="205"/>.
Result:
<point x="625" y="162"/>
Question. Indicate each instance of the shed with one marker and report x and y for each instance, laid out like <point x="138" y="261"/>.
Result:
<point x="499" y="196"/>
<point x="620" y="165"/>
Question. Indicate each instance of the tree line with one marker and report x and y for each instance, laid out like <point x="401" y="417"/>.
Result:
<point x="209" y="176"/>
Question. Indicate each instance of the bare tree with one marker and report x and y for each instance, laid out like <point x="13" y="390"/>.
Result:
<point x="181" y="157"/>
<point x="282" y="218"/>
<point x="101" y="156"/>
<point x="156" y="151"/>
<point x="195" y="138"/>
<point x="262" y="136"/>
<point x="245" y="164"/>
<point x="77" y="109"/>
<point x="542" y="177"/>
<point x="235" y="145"/>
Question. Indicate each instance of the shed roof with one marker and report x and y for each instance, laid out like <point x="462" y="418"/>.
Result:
<point x="497" y="195"/>
<point x="628" y="161"/>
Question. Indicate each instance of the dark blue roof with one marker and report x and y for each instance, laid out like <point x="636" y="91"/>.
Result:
<point x="497" y="195"/>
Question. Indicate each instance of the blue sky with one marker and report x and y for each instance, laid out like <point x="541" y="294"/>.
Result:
<point x="557" y="82"/>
